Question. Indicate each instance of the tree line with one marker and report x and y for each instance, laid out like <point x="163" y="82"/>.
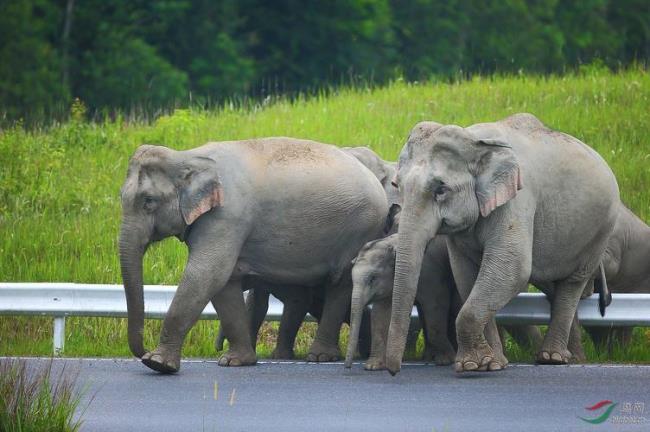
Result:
<point x="125" y="55"/>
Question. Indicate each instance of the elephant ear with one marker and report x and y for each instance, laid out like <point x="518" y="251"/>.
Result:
<point x="200" y="188"/>
<point x="498" y="176"/>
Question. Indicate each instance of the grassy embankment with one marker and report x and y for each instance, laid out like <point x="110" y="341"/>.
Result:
<point x="59" y="188"/>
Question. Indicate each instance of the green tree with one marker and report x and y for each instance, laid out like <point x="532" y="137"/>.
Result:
<point x="126" y="73"/>
<point x="631" y="19"/>
<point x="299" y="44"/>
<point x="30" y="73"/>
<point x="431" y="36"/>
<point x="202" y="39"/>
<point x="587" y="33"/>
<point x="509" y="35"/>
<point x="111" y="65"/>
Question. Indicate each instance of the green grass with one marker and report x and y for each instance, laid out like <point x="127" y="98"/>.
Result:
<point x="59" y="187"/>
<point x="32" y="400"/>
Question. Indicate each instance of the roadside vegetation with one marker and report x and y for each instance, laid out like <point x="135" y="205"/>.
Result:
<point x="34" y="399"/>
<point x="59" y="186"/>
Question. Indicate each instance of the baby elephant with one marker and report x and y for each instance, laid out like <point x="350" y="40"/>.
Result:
<point x="373" y="274"/>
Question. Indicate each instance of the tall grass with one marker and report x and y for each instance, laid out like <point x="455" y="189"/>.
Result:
<point x="59" y="187"/>
<point x="32" y="400"/>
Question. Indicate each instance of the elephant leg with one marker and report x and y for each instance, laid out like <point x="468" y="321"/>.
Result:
<point x="622" y="335"/>
<point x="563" y="309"/>
<point x="601" y="336"/>
<point x="229" y="303"/>
<point x="500" y="278"/>
<point x="454" y="308"/>
<point x="257" y="305"/>
<point x="413" y="333"/>
<point x="193" y="294"/>
<point x="380" y="320"/>
<point x="295" y="309"/>
<point x="608" y="337"/>
<point x="434" y="322"/>
<point x="221" y="338"/>
<point x="494" y="340"/>
<point x="575" y="342"/>
<point x="365" y="338"/>
<point x="337" y="304"/>
<point x="526" y="336"/>
<point x="250" y="302"/>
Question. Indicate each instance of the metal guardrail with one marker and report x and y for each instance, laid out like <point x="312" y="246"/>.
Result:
<point x="60" y="300"/>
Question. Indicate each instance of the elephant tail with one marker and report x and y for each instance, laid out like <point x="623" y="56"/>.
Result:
<point x="604" y="296"/>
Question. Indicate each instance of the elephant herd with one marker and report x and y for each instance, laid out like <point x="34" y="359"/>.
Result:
<point x="463" y="222"/>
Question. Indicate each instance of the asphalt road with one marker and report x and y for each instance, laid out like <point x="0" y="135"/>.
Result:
<point x="123" y="395"/>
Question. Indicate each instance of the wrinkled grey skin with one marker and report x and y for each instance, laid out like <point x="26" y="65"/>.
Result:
<point x="519" y="203"/>
<point x="298" y="301"/>
<point x="372" y="276"/>
<point x="252" y="208"/>
<point x="382" y="169"/>
<point x="627" y="270"/>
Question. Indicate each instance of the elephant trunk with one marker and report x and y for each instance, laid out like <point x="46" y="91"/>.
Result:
<point x="415" y="232"/>
<point x="356" y="314"/>
<point x="131" y="255"/>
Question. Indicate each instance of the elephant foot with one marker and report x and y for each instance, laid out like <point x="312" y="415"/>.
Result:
<point x="481" y="359"/>
<point x="375" y="364"/>
<point x="444" y="359"/>
<point x="577" y="356"/>
<point x="234" y="358"/>
<point x="162" y="362"/>
<point x="282" y="354"/>
<point x="553" y="357"/>
<point x="441" y="357"/>
<point x="319" y="352"/>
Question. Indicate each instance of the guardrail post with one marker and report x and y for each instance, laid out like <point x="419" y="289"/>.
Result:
<point x="59" y="335"/>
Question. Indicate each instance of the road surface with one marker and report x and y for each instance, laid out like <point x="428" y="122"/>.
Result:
<point x="123" y="395"/>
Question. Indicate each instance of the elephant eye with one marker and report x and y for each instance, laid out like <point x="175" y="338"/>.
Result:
<point x="149" y="203"/>
<point x="440" y="192"/>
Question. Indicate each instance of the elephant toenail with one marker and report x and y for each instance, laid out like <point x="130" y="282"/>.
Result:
<point x="494" y="366"/>
<point x="486" y="360"/>
<point x="470" y="366"/>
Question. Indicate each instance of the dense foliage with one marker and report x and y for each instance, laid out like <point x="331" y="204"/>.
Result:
<point x="147" y="55"/>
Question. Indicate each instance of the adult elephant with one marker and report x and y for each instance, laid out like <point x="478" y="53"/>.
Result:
<point x="520" y="203"/>
<point x="251" y="208"/>
<point x="298" y="301"/>
<point x="627" y="270"/>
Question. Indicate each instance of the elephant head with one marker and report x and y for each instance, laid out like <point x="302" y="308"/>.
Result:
<point x="164" y="193"/>
<point x="448" y="179"/>
<point x="372" y="279"/>
<point x="383" y="170"/>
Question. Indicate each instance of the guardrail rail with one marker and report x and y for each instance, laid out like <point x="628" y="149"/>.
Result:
<point x="60" y="300"/>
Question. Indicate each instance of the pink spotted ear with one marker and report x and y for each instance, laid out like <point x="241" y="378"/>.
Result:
<point x="200" y="189"/>
<point x="498" y="176"/>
